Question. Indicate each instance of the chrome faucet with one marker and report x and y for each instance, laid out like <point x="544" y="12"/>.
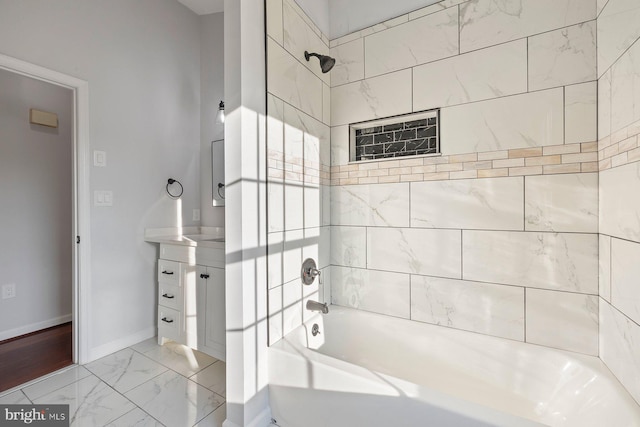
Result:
<point x="309" y="271"/>
<point x="317" y="306"/>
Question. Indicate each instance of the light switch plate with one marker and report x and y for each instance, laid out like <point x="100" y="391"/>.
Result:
<point x="196" y="215"/>
<point x="100" y="158"/>
<point x="102" y="198"/>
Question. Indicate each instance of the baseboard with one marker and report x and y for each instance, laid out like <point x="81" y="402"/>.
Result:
<point x="27" y="329"/>
<point x="263" y="419"/>
<point x="117" y="345"/>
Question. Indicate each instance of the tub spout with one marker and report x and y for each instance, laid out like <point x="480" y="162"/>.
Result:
<point x="316" y="306"/>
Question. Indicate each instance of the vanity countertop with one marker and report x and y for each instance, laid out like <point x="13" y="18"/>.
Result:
<point x="211" y="238"/>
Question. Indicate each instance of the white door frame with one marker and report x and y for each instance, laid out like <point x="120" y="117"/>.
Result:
<point x="81" y="195"/>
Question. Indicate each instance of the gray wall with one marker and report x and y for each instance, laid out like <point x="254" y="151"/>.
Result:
<point x="212" y="91"/>
<point x="142" y="62"/>
<point x="36" y="206"/>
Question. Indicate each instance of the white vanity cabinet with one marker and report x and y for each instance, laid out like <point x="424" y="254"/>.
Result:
<point x="210" y="297"/>
<point x="191" y="297"/>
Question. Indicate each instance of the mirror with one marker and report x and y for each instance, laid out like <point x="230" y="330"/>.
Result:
<point x="217" y="172"/>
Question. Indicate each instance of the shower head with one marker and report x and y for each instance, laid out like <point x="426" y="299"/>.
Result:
<point x="326" y="62"/>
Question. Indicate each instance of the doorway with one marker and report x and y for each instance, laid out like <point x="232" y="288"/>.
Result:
<point x="76" y="236"/>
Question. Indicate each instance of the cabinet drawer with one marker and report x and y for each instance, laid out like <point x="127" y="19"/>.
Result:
<point x="186" y="254"/>
<point x="169" y="272"/>
<point x="170" y="296"/>
<point x="169" y="323"/>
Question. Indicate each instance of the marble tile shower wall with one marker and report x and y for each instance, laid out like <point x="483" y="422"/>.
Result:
<point x="499" y="235"/>
<point x="298" y="147"/>
<point x="619" y="156"/>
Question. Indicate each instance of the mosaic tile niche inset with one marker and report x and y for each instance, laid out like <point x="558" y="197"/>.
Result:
<point x="399" y="139"/>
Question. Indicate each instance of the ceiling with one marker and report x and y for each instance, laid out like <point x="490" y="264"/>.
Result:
<point x="204" y="7"/>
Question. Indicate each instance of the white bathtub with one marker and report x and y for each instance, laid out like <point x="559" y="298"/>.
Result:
<point x="365" y="369"/>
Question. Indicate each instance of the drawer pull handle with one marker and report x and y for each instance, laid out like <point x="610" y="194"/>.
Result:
<point x="204" y="276"/>
<point x="164" y="319"/>
<point x="168" y="296"/>
<point x="168" y="273"/>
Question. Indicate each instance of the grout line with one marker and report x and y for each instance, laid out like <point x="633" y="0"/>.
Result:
<point x="411" y="297"/>
<point x="564" y="115"/>
<point x="486" y="230"/>
<point x="366" y="248"/>
<point x="459" y="30"/>
<point x="525" y="38"/>
<point x="305" y="21"/>
<point x="526" y="44"/>
<point x="413" y="105"/>
<point x="21" y="387"/>
<point x="525" y="315"/>
<point x="524" y="203"/>
<point x="391" y="19"/>
<point x="410" y="192"/>
<point x="620" y="238"/>
<point x="598" y="326"/>
<point x="610" y="266"/>
<point x="601" y="10"/>
<point x="461" y="254"/>
<point x="364" y="62"/>
<point x="467" y="280"/>
<point x="597" y="65"/>
<point x="619" y="57"/>
<point x="622" y="313"/>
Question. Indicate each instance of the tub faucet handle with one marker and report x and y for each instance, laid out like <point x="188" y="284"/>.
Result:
<point x="309" y="271"/>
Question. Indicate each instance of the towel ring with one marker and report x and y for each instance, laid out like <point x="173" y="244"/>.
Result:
<point x="172" y="181"/>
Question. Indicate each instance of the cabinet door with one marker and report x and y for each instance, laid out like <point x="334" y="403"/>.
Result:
<point x="190" y="305"/>
<point x="215" y="334"/>
<point x="202" y="277"/>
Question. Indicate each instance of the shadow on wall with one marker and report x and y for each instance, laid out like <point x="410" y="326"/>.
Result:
<point x="298" y="214"/>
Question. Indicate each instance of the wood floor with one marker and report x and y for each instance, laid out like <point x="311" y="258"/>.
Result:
<point x="30" y="356"/>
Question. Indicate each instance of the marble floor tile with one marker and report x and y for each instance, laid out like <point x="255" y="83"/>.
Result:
<point x="146" y="345"/>
<point x="180" y="358"/>
<point x="135" y="418"/>
<point x="175" y="400"/>
<point x="213" y="377"/>
<point x="125" y="369"/>
<point x="128" y="388"/>
<point x="91" y="402"/>
<point x="14" y="398"/>
<point x="214" y="419"/>
<point x="55" y="382"/>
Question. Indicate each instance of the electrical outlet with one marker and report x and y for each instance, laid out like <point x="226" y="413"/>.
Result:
<point x="100" y="159"/>
<point x="196" y="214"/>
<point x="9" y="291"/>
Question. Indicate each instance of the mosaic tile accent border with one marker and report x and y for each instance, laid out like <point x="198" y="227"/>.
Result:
<point x="620" y="148"/>
<point x="294" y="169"/>
<point x="555" y="159"/>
